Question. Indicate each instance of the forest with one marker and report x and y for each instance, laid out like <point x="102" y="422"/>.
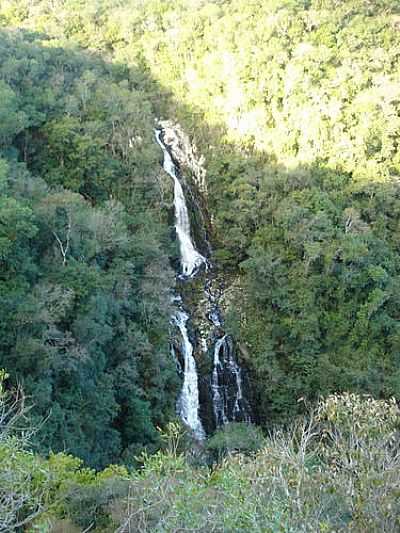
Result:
<point x="294" y="106"/>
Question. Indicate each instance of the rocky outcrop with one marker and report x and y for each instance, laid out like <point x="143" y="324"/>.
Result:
<point x="214" y="386"/>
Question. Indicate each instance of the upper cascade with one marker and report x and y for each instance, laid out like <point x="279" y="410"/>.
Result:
<point x="191" y="259"/>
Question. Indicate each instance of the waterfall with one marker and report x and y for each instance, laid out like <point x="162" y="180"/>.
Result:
<point x="191" y="259"/>
<point x="225" y="383"/>
<point x="188" y="403"/>
<point x="219" y="401"/>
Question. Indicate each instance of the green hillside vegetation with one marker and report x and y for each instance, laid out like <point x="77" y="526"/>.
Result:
<point x="336" y="470"/>
<point x="295" y="105"/>
<point x="296" y="108"/>
<point x="84" y="251"/>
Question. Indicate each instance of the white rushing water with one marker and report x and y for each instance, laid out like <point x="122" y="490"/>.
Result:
<point x="188" y="403"/>
<point x="238" y="409"/>
<point x="218" y="394"/>
<point x="228" y="401"/>
<point x="191" y="259"/>
<point x="226" y="378"/>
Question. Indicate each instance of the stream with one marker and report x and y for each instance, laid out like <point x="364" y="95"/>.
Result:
<point x="224" y="385"/>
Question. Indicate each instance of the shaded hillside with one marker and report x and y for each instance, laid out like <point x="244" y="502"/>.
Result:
<point x="84" y="251"/>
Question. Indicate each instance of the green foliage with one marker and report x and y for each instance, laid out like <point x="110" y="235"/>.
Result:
<point x="84" y="263"/>
<point x="235" y="437"/>
<point x="334" y="470"/>
<point x="295" y="105"/>
<point x="35" y="491"/>
<point x="330" y="472"/>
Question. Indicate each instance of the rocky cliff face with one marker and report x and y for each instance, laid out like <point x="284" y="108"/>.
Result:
<point x="214" y="386"/>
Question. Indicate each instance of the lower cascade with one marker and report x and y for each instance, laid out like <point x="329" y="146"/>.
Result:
<point x="188" y="403"/>
<point x="228" y="400"/>
<point x="223" y="388"/>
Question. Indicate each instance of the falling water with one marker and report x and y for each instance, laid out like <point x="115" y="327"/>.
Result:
<point x="226" y="385"/>
<point x="225" y="381"/>
<point x="219" y="402"/>
<point x="188" y="403"/>
<point x="191" y="259"/>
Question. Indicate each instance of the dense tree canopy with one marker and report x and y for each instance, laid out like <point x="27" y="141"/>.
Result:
<point x="84" y="261"/>
<point x="295" y="105"/>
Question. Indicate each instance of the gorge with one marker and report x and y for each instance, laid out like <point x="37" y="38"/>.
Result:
<point x="199" y="228"/>
<point x="223" y="386"/>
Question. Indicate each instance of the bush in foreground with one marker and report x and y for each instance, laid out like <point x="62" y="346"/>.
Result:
<point x="335" y="470"/>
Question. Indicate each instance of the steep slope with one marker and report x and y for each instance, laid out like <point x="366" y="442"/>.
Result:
<point x="295" y="106"/>
<point x="85" y="267"/>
